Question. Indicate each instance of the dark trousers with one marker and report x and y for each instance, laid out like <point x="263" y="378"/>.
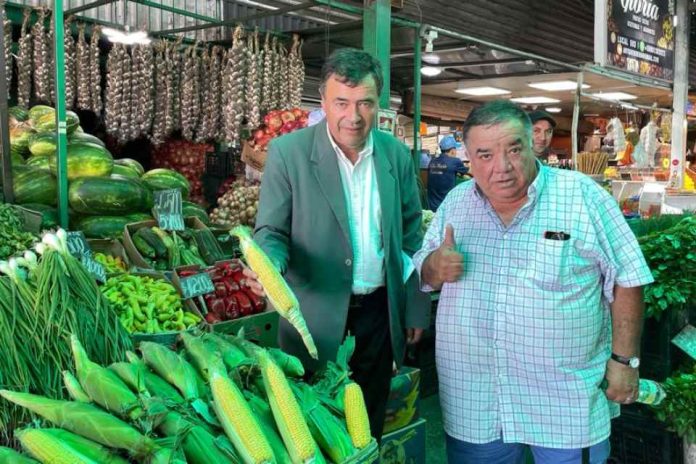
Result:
<point x="371" y="363"/>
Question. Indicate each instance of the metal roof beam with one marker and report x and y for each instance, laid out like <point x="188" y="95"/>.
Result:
<point x="87" y="6"/>
<point x="472" y="64"/>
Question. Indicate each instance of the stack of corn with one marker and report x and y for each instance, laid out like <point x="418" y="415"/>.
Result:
<point x="154" y="409"/>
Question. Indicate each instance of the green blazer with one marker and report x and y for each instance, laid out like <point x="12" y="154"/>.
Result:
<point x="302" y="224"/>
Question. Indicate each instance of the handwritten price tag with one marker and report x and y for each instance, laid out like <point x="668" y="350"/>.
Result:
<point x="168" y="209"/>
<point x="94" y="268"/>
<point x="77" y="244"/>
<point x="196" y="285"/>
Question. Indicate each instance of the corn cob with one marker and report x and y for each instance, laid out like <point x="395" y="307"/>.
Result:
<point x="232" y="356"/>
<point x="277" y="290"/>
<point x="88" y="448"/>
<point x="48" y="449"/>
<point x="132" y="375"/>
<point x="286" y="411"/>
<point x="291" y="365"/>
<point x="103" y="386"/>
<point x="204" y="355"/>
<point x="171" y="367"/>
<point x="239" y="423"/>
<point x="356" y="416"/>
<point x="86" y="420"/>
<point x="10" y="456"/>
<point x="156" y="385"/>
<point x="74" y="388"/>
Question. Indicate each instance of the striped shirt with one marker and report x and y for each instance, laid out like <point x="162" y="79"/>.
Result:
<point x="524" y="337"/>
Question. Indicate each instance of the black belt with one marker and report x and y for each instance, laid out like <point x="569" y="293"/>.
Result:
<point x="358" y="301"/>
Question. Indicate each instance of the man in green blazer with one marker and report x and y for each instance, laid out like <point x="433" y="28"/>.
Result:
<point x="340" y="216"/>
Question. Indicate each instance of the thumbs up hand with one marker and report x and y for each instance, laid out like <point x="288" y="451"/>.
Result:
<point x="445" y="264"/>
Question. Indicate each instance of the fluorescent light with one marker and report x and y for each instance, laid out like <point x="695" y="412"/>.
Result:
<point x="430" y="71"/>
<point x="126" y="37"/>
<point x="555" y="86"/>
<point x="111" y="32"/>
<point x="482" y="91"/>
<point x="553" y="109"/>
<point x="431" y="58"/>
<point x="535" y="100"/>
<point x="614" y="96"/>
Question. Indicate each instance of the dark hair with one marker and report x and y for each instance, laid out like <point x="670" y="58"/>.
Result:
<point x="497" y="112"/>
<point x="351" y="66"/>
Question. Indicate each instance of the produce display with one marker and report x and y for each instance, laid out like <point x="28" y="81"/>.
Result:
<point x="42" y="299"/>
<point x="147" y="305"/>
<point x="232" y="297"/>
<point x="238" y="205"/>
<point x="13" y="239"/>
<point x="166" y="250"/>
<point x="112" y="264"/>
<point x="261" y="410"/>
<point x="186" y="158"/>
<point x="277" y="123"/>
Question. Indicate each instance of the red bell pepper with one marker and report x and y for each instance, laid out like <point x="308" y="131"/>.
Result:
<point x="217" y="306"/>
<point x="257" y="302"/>
<point x="231" y="308"/>
<point x="245" y="306"/>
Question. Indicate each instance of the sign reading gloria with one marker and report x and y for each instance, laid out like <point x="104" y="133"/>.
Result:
<point x="640" y="37"/>
<point x="168" y="209"/>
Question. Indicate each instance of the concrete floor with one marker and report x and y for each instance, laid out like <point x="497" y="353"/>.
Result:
<point x="435" y="435"/>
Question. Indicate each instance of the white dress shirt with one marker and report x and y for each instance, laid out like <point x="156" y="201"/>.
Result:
<point x="364" y="217"/>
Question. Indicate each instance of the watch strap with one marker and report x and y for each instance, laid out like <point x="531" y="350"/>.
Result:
<point x="622" y="359"/>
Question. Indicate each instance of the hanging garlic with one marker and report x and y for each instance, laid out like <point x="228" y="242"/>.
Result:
<point x="216" y="71"/>
<point x="190" y="97"/>
<point x="42" y="82"/>
<point x="7" y="29"/>
<point x="69" y="53"/>
<point x="82" y="74"/>
<point x="205" y="121"/>
<point x="24" y="63"/>
<point x="95" y="85"/>
<point x="253" y="87"/>
<point x="114" y="89"/>
<point x="234" y="110"/>
<point x="126" y="130"/>
<point x="267" y="93"/>
<point x="160" y="94"/>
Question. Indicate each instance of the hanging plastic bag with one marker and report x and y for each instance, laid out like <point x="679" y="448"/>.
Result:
<point x="615" y="132"/>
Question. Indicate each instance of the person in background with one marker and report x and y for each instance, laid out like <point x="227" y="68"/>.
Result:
<point x="442" y="172"/>
<point x="425" y="159"/>
<point x="339" y="215"/>
<point x="543" y="125"/>
<point x="541" y="301"/>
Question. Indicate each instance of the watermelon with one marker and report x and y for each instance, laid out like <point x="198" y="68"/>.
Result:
<point x="16" y="158"/>
<point x="162" y="179"/>
<point x="37" y="111"/>
<point x="131" y="163"/>
<point x="83" y="137"/>
<point x="47" y="122"/>
<point x="18" y="113"/>
<point x="193" y="209"/>
<point x="125" y="171"/>
<point x="41" y="162"/>
<point x="139" y="217"/>
<point x="86" y="160"/>
<point x="19" y="139"/>
<point x="103" y="226"/>
<point x="34" y="185"/>
<point x="109" y="196"/>
<point x="42" y="144"/>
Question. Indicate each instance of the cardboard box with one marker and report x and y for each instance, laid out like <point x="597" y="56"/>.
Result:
<point x="133" y="253"/>
<point x="260" y="328"/>
<point x="254" y="158"/>
<point x="404" y="399"/>
<point x="109" y="247"/>
<point x="404" y="446"/>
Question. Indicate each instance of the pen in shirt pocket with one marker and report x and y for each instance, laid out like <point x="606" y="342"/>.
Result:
<point x="560" y="236"/>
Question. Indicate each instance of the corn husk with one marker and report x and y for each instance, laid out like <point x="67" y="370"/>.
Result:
<point x="171" y="367"/>
<point x="74" y="388"/>
<point x="132" y="375"/>
<point x="10" y="456"/>
<point x="204" y="354"/>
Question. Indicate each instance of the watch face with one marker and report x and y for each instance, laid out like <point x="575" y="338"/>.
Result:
<point x="634" y="363"/>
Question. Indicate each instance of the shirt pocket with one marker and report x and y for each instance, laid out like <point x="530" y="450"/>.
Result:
<point x="550" y="265"/>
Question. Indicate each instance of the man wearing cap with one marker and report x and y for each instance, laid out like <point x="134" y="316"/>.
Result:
<point x="543" y="125"/>
<point x="442" y="172"/>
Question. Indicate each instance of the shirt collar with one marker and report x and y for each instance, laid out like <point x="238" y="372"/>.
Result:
<point x="367" y="150"/>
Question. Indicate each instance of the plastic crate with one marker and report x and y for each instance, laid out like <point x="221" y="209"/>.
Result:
<point x="659" y="357"/>
<point x="220" y="164"/>
<point x="637" y="438"/>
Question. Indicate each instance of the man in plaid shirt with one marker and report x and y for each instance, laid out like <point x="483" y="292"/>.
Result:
<point x="541" y="300"/>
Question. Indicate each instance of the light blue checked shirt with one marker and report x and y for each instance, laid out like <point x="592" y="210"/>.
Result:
<point x="524" y="337"/>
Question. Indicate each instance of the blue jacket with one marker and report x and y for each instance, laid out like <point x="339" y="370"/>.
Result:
<point x="442" y="173"/>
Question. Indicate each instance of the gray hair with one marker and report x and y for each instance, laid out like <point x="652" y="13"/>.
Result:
<point x="351" y="66"/>
<point x="498" y="112"/>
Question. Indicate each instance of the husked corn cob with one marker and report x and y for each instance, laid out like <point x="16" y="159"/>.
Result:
<point x="356" y="416"/>
<point x="10" y="456"/>
<point x="287" y="413"/>
<point x="74" y="388"/>
<point x="86" y="420"/>
<point x="87" y="448"/>
<point x="277" y="290"/>
<point x="48" y="449"/>
<point x="239" y="423"/>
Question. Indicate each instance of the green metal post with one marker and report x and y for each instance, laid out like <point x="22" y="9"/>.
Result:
<point x="416" y="97"/>
<point x="62" y="157"/>
<point x="377" y="39"/>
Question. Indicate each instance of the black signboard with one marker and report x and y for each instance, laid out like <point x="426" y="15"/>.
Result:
<point x="196" y="285"/>
<point x="77" y="244"/>
<point x="168" y="209"/>
<point x="640" y="37"/>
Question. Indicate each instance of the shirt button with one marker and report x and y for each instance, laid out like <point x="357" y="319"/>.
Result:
<point x="348" y="262"/>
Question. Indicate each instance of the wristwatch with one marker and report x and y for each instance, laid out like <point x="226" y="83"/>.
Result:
<point x="633" y="361"/>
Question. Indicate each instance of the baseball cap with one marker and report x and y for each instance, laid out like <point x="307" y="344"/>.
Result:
<point x="448" y="143"/>
<point x="538" y="115"/>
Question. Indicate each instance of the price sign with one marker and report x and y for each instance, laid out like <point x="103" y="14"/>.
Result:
<point x="77" y="244"/>
<point x="686" y="340"/>
<point x="94" y="268"/>
<point x="196" y="285"/>
<point x="168" y="209"/>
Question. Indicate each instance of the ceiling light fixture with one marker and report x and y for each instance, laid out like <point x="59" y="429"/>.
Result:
<point x="430" y="71"/>
<point x="482" y="91"/>
<point x="556" y="86"/>
<point x="553" y="109"/>
<point x="126" y="37"/>
<point x="614" y="96"/>
<point x="535" y="100"/>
